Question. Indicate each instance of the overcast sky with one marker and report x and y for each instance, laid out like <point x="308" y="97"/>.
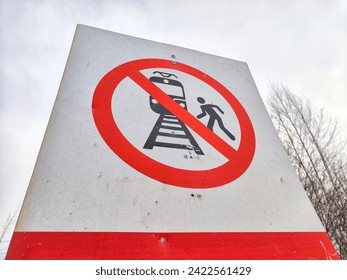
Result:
<point x="299" y="43"/>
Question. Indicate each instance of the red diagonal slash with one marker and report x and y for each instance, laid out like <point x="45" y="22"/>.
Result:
<point x="208" y="135"/>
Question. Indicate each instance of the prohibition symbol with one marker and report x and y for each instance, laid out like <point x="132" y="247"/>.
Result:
<point x="238" y="160"/>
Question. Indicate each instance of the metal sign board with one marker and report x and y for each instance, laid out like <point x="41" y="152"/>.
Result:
<point x="159" y="152"/>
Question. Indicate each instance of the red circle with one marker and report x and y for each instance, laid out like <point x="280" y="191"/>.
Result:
<point x="103" y="117"/>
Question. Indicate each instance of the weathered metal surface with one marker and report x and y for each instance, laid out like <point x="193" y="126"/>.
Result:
<point x="81" y="184"/>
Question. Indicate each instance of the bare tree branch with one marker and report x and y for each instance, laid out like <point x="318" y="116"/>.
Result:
<point x="311" y="140"/>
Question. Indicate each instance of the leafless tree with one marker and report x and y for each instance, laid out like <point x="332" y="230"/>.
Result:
<point x="3" y="233"/>
<point x="312" y="141"/>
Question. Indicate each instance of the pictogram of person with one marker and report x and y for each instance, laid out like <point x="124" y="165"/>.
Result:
<point x="209" y="109"/>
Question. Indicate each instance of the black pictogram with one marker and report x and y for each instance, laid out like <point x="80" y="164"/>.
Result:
<point x="168" y="127"/>
<point x="209" y="109"/>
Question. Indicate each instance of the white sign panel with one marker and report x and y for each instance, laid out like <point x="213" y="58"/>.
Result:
<point x="161" y="147"/>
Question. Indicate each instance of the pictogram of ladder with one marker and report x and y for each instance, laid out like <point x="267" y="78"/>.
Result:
<point x="169" y="126"/>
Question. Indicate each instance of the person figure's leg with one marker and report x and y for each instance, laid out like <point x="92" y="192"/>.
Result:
<point x="226" y="131"/>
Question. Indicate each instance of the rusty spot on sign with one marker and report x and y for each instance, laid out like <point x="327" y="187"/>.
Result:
<point x="163" y="240"/>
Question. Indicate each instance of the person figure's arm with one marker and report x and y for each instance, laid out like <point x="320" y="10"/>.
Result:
<point x="203" y="114"/>
<point x="219" y="109"/>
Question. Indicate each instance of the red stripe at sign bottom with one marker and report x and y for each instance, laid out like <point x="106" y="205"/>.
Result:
<point x="171" y="246"/>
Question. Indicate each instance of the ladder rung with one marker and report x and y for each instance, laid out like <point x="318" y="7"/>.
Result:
<point x="173" y="135"/>
<point x="169" y="117"/>
<point x="173" y="145"/>
<point x="174" y="122"/>
<point x="171" y="127"/>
